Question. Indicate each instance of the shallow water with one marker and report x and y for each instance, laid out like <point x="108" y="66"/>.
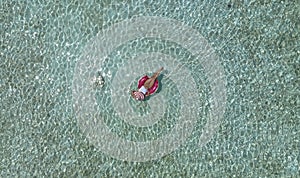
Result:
<point x="227" y="103"/>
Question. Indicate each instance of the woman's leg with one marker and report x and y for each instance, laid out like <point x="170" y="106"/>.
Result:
<point x="149" y="83"/>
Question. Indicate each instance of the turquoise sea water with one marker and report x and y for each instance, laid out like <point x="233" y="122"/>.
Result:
<point x="42" y="129"/>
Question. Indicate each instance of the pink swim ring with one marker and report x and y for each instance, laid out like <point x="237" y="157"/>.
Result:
<point x="151" y="90"/>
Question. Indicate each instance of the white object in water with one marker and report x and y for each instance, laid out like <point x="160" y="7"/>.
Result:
<point x="98" y="81"/>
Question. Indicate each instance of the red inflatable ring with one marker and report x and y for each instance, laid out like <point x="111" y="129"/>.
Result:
<point x="150" y="90"/>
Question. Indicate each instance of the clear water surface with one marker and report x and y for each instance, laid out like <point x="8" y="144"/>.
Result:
<point x="227" y="106"/>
